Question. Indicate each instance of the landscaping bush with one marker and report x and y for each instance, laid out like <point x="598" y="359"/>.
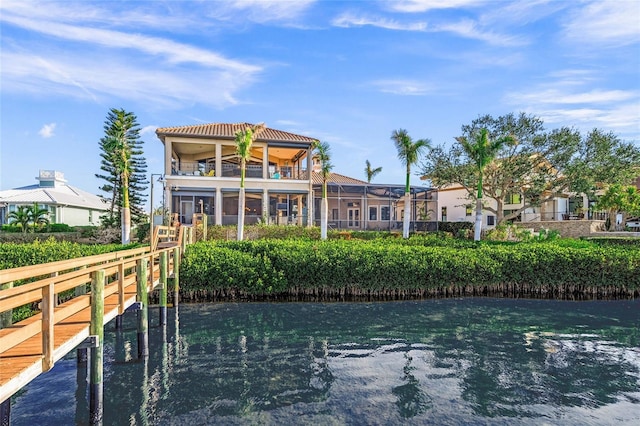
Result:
<point x="420" y="266"/>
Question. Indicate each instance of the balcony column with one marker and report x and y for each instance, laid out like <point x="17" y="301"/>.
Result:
<point x="265" y="165"/>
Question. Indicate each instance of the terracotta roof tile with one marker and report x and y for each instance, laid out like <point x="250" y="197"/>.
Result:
<point x="228" y="130"/>
<point x="337" y="178"/>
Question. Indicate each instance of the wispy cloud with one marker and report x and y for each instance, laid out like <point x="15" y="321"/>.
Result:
<point x="472" y="30"/>
<point x="348" y="20"/>
<point x="107" y="63"/>
<point x="262" y="11"/>
<point x="565" y="101"/>
<point x="412" y="6"/>
<point x="605" y="23"/>
<point x="47" y="130"/>
<point x="148" y="130"/>
<point x="173" y="52"/>
<point x="402" y="87"/>
<point x="463" y="28"/>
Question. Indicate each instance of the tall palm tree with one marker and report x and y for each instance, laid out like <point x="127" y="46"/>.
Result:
<point x="482" y="151"/>
<point x="21" y="216"/>
<point x="244" y="140"/>
<point x="121" y="134"/>
<point x="408" y="153"/>
<point x="323" y="153"/>
<point x="369" y="172"/>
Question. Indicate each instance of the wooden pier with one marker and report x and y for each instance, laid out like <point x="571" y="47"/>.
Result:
<point x="32" y="346"/>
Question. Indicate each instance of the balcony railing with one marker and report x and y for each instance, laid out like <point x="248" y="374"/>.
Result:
<point x="194" y="168"/>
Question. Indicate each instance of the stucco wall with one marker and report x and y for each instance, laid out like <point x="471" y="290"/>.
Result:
<point x="570" y="228"/>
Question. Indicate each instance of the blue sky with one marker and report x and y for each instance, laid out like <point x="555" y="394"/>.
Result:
<point x="345" y="72"/>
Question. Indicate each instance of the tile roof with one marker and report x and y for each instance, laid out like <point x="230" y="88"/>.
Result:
<point x="228" y="130"/>
<point x="337" y="179"/>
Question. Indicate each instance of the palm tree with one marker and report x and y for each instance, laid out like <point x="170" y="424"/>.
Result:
<point x="408" y="153"/>
<point x="122" y="133"/>
<point x="369" y="172"/>
<point x="482" y="151"/>
<point x="244" y="140"/>
<point x="39" y="217"/>
<point x="323" y="153"/>
<point x="21" y="216"/>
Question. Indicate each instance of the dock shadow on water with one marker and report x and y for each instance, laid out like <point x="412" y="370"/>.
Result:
<point x="454" y="361"/>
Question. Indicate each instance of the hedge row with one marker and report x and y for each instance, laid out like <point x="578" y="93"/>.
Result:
<point x="13" y="255"/>
<point x="387" y="267"/>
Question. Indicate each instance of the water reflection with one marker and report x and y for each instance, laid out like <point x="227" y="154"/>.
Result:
<point x="436" y="362"/>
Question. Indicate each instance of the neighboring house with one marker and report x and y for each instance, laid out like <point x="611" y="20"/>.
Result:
<point x="66" y="204"/>
<point x="455" y="206"/>
<point x="202" y="175"/>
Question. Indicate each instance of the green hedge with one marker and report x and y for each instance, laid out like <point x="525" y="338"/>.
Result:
<point x="13" y="255"/>
<point x="417" y="266"/>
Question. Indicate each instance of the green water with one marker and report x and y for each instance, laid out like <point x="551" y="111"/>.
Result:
<point x="464" y="361"/>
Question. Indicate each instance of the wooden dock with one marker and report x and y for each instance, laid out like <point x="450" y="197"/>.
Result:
<point x="32" y="346"/>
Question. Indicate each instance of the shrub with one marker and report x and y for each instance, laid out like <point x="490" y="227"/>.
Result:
<point x="420" y="265"/>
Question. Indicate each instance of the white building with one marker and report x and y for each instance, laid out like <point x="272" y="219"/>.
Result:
<point x="66" y="204"/>
<point x="454" y="205"/>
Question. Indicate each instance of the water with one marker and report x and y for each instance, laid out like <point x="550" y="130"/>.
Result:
<point x="464" y="361"/>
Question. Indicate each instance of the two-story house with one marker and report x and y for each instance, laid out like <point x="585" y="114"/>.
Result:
<point x="202" y="174"/>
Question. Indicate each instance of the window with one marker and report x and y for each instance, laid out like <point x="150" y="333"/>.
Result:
<point x="513" y="198"/>
<point x="373" y="213"/>
<point x="443" y="213"/>
<point x="334" y="214"/>
<point x="491" y="220"/>
<point x="385" y="213"/>
<point x="468" y="211"/>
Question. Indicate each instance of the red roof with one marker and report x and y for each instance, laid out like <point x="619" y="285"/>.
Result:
<point x="228" y="131"/>
<point x="338" y="179"/>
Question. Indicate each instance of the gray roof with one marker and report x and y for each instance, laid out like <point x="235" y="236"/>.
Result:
<point x="64" y="195"/>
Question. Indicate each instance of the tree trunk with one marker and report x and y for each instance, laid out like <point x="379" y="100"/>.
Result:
<point x="241" y="203"/>
<point x="324" y="216"/>
<point x="126" y="225"/>
<point x="407" y="215"/>
<point x="478" y="227"/>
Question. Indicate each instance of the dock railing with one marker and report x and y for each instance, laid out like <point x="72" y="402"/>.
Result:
<point x="65" y="325"/>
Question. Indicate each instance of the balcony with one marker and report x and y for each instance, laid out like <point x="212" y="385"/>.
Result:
<point x="195" y="168"/>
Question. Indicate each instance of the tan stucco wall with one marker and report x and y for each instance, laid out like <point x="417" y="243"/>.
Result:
<point x="570" y="228"/>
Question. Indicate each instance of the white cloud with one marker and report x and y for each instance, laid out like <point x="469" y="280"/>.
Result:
<point x="413" y="6"/>
<point x="402" y="87"/>
<point x="47" y="130"/>
<point x="571" y="100"/>
<point x="98" y="78"/>
<point x="348" y="20"/>
<point x="148" y="129"/>
<point x="556" y="96"/>
<point x="470" y="29"/>
<point x="464" y="28"/>
<point x="173" y="52"/>
<point x="608" y="23"/>
<point x="263" y="11"/>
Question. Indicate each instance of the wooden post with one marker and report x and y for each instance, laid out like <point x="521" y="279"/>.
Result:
<point x="96" y="328"/>
<point x="48" y="320"/>
<point x="143" y="298"/>
<point x="176" y="275"/>
<point x="120" y="278"/>
<point x="204" y="227"/>
<point x="5" y="412"/>
<point x="82" y="403"/>
<point x="6" y="317"/>
<point x="163" y="288"/>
